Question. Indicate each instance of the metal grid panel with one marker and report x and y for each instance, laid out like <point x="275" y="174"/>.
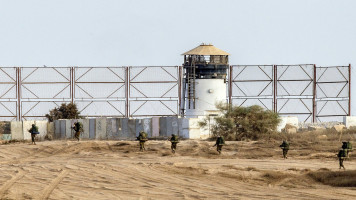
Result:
<point x="300" y="107"/>
<point x="8" y="83"/>
<point x="264" y="103"/>
<point x="154" y="82"/>
<point x="8" y="110"/>
<point x="99" y="108"/>
<point x="38" y="109"/>
<point x="294" y="91"/>
<point x="45" y="82"/>
<point x="153" y="107"/>
<point x="252" y="85"/>
<point x="332" y="82"/>
<point x="332" y="93"/>
<point x="99" y="82"/>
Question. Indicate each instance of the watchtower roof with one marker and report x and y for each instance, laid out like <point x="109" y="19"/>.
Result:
<point x="206" y="50"/>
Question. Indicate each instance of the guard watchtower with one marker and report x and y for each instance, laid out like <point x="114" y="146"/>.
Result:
<point x="204" y="83"/>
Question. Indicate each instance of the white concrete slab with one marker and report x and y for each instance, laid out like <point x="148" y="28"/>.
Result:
<point x="350" y="121"/>
<point x="42" y="128"/>
<point x="16" y="130"/>
<point x="155" y="126"/>
<point x="100" y="129"/>
<point x="50" y="129"/>
<point x="27" y="126"/>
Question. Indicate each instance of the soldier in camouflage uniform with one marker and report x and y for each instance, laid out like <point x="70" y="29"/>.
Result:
<point x="77" y="127"/>
<point x="142" y="138"/>
<point x="285" y="147"/>
<point x="219" y="143"/>
<point x="347" y="146"/>
<point x="34" y="131"/>
<point x="174" y="140"/>
<point x="341" y="155"/>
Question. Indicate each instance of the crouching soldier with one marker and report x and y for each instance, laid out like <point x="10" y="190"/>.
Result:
<point x="142" y="138"/>
<point x="342" y="155"/>
<point x="77" y="127"/>
<point x="285" y="147"/>
<point x="347" y="146"/>
<point x="219" y="143"/>
<point x="174" y="141"/>
<point x="34" y="131"/>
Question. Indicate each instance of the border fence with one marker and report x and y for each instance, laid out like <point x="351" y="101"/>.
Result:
<point x="312" y="93"/>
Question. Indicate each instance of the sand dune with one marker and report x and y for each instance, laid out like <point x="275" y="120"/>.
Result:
<point x="117" y="170"/>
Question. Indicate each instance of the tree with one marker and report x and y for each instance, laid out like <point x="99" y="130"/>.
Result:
<point x="236" y="123"/>
<point x="65" y="111"/>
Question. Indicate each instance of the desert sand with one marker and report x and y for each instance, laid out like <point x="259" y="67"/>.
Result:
<point x="117" y="170"/>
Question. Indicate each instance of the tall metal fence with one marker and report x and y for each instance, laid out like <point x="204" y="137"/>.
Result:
<point x="312" y="93"/>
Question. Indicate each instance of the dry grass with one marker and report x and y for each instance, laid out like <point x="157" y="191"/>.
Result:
<point x="338" y="179"/>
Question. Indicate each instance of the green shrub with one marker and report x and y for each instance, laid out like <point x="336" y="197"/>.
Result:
<point x="237" y="123"/>
<point x="65" y="111"/>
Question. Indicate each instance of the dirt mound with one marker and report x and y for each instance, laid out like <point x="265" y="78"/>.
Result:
<point x="335" y="178"/>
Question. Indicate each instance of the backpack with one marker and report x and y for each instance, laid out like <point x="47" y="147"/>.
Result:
<point x="349" y="145"/>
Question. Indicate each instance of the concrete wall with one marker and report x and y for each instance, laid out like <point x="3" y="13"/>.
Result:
<point x="16" y="130"/>
<point x="350" y="121"/>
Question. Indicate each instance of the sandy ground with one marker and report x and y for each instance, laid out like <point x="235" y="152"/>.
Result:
<point x="117" y="170"/>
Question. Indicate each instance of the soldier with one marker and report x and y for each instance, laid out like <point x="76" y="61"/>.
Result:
<point x="219" y="143"/>
<point x="34" y="131"/>
<point x="347" y="146"/>
<point x="77" y="127"/>
<point x="341" y="155"/>
<point x="142" y="138"/>
<point x="174" y="140"/>
<point x="285" y="147"/>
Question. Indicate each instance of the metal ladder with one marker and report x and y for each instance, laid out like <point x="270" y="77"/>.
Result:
<point x="191" y="86"/>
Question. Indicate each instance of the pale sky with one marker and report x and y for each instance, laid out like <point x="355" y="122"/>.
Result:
<point x="156" y="32"/>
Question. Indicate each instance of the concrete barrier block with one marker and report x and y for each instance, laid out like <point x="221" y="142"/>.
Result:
<point x="111" y="128"/>
<point x="180" y="127"/>
<point x="349" y="121"/>
<point x="138" y="126"/>
<point x="115" y="127"/>
<point x="50" y="129"/>
<point x="175" y="128"/>
<point x="6" y="137"/>
<point x="131" y="134"/>
<point x="62" y="128"/>
<point x="169" y="121"/>
<point x="42" y="128"/>
<point x="92" y="125"/>
<point x="68" y="129"/>
<point x="185" y="128"/>
<point x="57" y="129"/>
<point x="27" y="126"/>
<point x="194" y="128"/>
<point x="155" y="126"/>
<point x="147" y="126"/>
<point x="100" y="129"/>
<point x="292" y="120"/>
<point x="124" y="128"/>
<point x="17" y="130"/>
<point x="85" y="133"/>
<point x="163" y="126"/>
